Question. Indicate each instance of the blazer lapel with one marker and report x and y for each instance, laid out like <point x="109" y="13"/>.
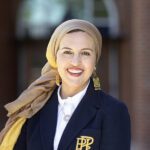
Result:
<point x="48" y="120"/>
<point x="83" y="114"/>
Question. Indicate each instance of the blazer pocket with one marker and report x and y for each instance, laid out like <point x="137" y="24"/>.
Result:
<point x="87" y="139"/>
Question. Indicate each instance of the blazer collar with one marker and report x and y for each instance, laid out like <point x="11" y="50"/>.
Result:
<point x="48" y="120"/>
<point x="83" y="114"/>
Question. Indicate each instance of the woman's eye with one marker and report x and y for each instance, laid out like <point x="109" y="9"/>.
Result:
<point x="67" y="52"/>
<point x="86" y="53"/>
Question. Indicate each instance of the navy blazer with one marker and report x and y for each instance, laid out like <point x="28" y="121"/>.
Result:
<point x="100" y="122"/>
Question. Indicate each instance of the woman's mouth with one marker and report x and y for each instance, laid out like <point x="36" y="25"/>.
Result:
<point x="76" y="72"/>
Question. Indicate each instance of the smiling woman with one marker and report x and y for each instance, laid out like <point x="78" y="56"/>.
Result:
<point x="65" y="109"/>
<point x="76" y="60"/>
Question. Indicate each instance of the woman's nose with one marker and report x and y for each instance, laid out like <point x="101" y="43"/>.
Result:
<point x="76" y="60"/>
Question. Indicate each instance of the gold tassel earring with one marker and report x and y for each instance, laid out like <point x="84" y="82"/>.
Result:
<point x="58" y="80"/>
<point x="96" y="81"/>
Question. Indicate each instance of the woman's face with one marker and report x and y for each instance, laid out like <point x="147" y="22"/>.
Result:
<point x="76" y="59"/>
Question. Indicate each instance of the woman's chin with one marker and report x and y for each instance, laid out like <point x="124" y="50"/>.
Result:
<point x="75" y="84"/>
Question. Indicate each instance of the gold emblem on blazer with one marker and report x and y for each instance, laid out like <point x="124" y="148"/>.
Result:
<point x="84" y="142"/>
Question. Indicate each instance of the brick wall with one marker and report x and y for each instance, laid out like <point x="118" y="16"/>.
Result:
<point x="135" y="67"/>
<point x="140" y="44"/>
<point x="8" y="57"/>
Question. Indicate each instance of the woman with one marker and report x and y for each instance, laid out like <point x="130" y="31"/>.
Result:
<point x="76" y="114"/>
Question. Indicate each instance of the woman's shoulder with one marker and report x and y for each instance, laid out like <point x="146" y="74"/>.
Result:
<point x="110" y="103"/>
<point x="105" y="100"/>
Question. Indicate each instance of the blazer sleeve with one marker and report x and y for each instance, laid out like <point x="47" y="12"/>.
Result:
<point x="21" y="141"/>
<point x="116" y="128"/>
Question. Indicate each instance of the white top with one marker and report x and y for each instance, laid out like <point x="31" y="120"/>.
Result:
<point x="66" y="107"/>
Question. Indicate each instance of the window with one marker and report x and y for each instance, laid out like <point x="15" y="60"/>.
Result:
<point x="38" y="18"/>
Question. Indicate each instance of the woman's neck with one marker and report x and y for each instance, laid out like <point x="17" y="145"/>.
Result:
<point x="67" y="91"/>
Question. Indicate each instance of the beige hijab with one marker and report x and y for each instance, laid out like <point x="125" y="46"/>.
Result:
<point x="38" y="93"/>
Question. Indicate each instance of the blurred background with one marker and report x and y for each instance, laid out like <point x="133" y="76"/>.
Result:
<point x="26" y="27"/>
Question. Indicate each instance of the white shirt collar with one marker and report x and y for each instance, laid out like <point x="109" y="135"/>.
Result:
<point x="74" y="100"/>
<point x="66" y="107"/>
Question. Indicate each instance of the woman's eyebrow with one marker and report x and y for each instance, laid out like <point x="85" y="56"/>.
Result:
<point x="66" y="48"/>
<point x="81" y="49"/>
<point x="87" y="49"/>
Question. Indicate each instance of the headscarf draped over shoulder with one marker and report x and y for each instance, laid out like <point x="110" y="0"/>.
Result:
<point x="38" y="93"/>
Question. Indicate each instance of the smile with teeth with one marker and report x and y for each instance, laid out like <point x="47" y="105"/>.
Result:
<point x="75" y="71"/>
